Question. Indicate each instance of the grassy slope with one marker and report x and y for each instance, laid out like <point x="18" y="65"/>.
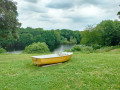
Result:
<point x="82" y="71"/>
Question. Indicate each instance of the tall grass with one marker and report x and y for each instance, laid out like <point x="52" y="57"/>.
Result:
<point x="91" y="49"/>
<point x="106" y="49"/>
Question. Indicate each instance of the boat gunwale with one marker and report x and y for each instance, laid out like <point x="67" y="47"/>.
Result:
<point x="63" y="55"/>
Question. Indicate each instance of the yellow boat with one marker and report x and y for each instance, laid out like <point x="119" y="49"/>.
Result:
<point x="51" y="58"/>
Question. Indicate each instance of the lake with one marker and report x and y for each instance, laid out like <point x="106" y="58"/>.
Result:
<point x="61" y="48"/>
<point x="15" y="52"/>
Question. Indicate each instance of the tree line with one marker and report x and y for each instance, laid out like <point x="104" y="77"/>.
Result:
<point x="106" y="33"/>
<point x="52" y="38"/>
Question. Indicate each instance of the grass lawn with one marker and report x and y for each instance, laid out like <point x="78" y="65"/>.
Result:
<point x="82" y="71"/>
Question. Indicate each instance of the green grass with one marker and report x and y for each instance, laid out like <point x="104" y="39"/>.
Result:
<point x="83" y="71"/>
<point x="114" y="49"/>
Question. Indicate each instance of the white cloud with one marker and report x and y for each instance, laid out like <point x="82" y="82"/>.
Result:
<point x="70" y="14"/>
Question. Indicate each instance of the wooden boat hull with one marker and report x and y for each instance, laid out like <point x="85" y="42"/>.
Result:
<point x="42" y="61"/>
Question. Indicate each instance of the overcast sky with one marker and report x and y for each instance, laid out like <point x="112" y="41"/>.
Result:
<point x="65" y="14"/>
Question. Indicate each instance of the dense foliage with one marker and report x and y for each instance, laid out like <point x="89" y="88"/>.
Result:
<point x="81" y="48"/>
<point x="2" y="50"/>
<point x="37" y="48"/>
<point x="107" y="33"/>
<point x="52" y="38"/>
<point x="8" y="19"/>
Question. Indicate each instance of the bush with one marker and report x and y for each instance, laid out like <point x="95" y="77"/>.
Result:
<point x="2" y="50"/>
<point x="88" y="49"/>
<point x="77" y="48"/>
<point x="37" y="48"/>
<point x="82" y="48"/>
<point x="96" y="46"/>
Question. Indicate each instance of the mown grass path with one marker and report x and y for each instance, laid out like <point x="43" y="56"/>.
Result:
<point x="82" y="71"/>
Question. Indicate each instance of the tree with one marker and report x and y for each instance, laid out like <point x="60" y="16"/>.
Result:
<point x="90" y="36"/>
<point x="39" y="38"/>
<point x="77" y="35"/>
<point x="107" y="33"/>
<point x="50" y="39"/>
<point x="73" y="40"/>
<point x="8" y="19"/>
<point x="118" y="13"/>
<point x="26" y="39"/>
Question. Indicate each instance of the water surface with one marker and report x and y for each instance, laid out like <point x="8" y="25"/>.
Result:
<point x="61" y="48"/>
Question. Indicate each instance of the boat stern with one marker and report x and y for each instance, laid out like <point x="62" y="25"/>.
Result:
<point x="36" y="61"/>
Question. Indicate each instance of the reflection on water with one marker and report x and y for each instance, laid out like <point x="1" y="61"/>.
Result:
<point x="61" y="48"/>
<point x="15" y="52"/>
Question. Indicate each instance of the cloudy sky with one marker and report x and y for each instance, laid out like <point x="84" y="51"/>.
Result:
<point x="67" y="14"/>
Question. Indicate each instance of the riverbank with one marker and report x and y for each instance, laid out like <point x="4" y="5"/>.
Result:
<point x="82" y="71"/>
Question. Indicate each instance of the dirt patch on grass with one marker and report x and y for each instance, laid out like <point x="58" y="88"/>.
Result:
<point x="114" y="50"/>
<point x="48" y="65"/>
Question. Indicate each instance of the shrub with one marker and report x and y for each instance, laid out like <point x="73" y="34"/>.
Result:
<point x="77" y="48"/>
<point x="87" y="49"/>
<point x="37" y="48"/>
<point x="82" y="48"/>
<point x="96" y="46"/>
<point x="2" y="50"/>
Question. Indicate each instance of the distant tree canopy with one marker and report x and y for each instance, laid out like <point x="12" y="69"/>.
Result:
<point x="107" y="33"/>
<point x="8" y="19"/>
<point x="52" y="38"/>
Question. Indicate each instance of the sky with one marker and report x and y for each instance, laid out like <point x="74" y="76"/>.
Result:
<point x="66" y="14"/>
